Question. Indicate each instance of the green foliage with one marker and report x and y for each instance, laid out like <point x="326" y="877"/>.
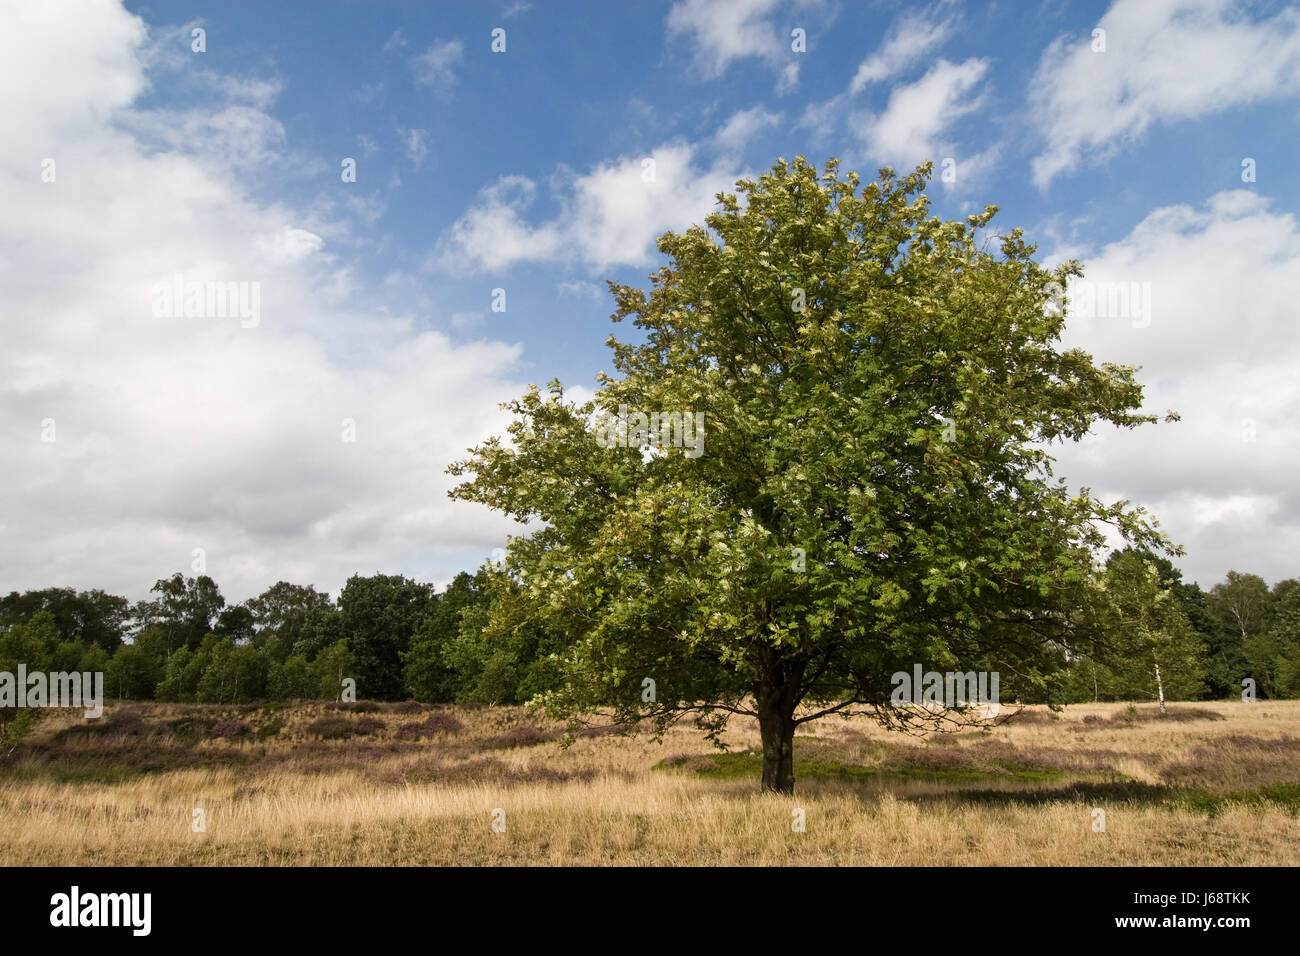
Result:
<point x="90" y="616"/>
<point x="428" y="665"/>
<point x="133" y="673"/>
<point x="894" y="429"/>
<point x="290" y="679"/>
<point x="286" y="614"/>
<point x="186" y="609"/>
<point x="379" y="615"/>
<point x="32" y="643"/>
<point x="328" y="670"/>
<point x="1274" y="653"/>
<point x="180" y="681"/>
<point x="1143" y="626"/>
<point x="234" y="674"/>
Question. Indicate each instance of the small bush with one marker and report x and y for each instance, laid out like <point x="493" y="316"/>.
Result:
<point x="356" y="707"/>
<point x="230" y="728"/>
<point x="341" y="728"/>
<point x="190" y="728"/>
<point x="520" y="735"/>
<point x="436" y="723"/>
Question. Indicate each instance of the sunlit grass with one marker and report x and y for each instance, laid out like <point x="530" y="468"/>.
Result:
<point x="1215" y="783"/>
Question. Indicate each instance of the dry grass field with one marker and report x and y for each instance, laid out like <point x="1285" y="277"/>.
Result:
<point x="406" y="784"/>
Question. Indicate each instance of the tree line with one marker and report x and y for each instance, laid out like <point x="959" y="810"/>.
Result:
<point x="399" y="638"/>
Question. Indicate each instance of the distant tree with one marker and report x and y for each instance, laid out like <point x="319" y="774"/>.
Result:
<point x="427" y="671"/>
<point x="1242" y="605"/>
<point x="186" y="609"/>
<point x="1150" y="650"/>
<point x="281" y="614"/>
<point x="94" y="660"/>
<point x="512" y="663"/>
<point x="183" y="671"/>
<point x="91" y="616"/>
<point x="321" y="629"/>
<point x="379" y="615"/>
<point x="1222" y="662"/>
<point x="31" y="643"/>
<point x="133" y="674"/>
<point x="330" y="668"/>
<point x="1273" y="650"/>
<point x="290" y="679"/>
<point x="235" y="674"/>
<point x="236" y="623"/>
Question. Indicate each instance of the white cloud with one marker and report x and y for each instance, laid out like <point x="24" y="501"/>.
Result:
<point x="436" y="66"/>
<point x="179" y="433"/>
<point x="493" y="235"/>
<point x="909" y="40"/>
<point x="1219" y="346"/>
<point x="578" y="289"/>
<point x="611" y="215"/>
<point x="417" y="146"/>
<point x="1165" y="61"/>
<point x="288" y="245"/>
<point x="725" y="31"/>
<point x="397" y="41"/>
<point x="256" y="91"/>
<point x="742" y="126"/>
<point x="466" y="320"/>
<point x="912" y="126"/>
<point x="916" y="123"/>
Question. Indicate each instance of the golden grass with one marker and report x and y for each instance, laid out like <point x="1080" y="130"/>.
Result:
<point x="603" y="802"/>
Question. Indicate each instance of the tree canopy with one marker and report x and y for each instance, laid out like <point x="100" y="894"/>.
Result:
<point x="879" y="394"/>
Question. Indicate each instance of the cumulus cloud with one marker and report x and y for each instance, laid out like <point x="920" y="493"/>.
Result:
<point x="436" y="66"/>
<point x="909" y="40"/>
<point x="725" y="31"/>
<point x="417" y="146"/>
<point x="1217" y="345"/>
<point x="917" y="120"/>
<point x="743" y="126"/>
<point x="1164" y="61"/>
<point x="578" y="289"/>
<point x="610" y="215"/>
<point x="913" y="125"/>
<point x="172" y="433"/>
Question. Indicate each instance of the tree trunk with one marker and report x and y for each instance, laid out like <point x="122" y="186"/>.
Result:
<point x="777" y="696"/>
<point x="777" y="731"/>
<point x="1160" y="688"/>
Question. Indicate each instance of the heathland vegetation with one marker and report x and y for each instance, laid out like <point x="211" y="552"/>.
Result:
<point x="385" y="783"/>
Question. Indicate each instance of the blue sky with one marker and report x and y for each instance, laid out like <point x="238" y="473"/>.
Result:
<point x="523" y="170"/>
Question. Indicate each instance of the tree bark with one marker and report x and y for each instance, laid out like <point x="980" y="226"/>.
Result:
<point x="1160" y="688"/>
<point x="777" y="731"/>
<point x="777" y="696"/>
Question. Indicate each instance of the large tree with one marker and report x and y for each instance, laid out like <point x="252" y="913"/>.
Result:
<point x="874" y="490"/>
